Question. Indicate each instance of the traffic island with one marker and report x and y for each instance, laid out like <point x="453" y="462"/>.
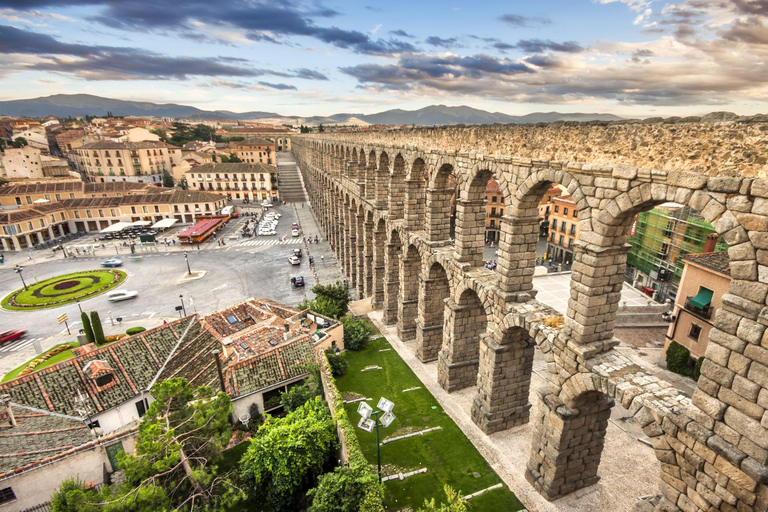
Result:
<point x="63" y="289"/>
<point x="193" y="276"/>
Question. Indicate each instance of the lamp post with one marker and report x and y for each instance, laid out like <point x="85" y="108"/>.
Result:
<point x="366" y="423"/>
<point x="184" y="309"/>
<point x="186" y="258"/>
<point x="19" y="269"/>
<point x="78" y="305"/>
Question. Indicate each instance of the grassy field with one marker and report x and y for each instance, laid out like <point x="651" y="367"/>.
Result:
<point x="450" y="458"/>
<point x="62" y="356"/>
<point x="63" y="289"/>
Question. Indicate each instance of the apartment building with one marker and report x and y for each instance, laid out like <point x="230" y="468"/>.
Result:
<point x="69" y="140"/>
<point x="30" y="163"/>
<point x="494" y="206"/>
<point x="142" y="162"/>
<point x="545" y="206"/>
<point x="563" y="229"/>
<point x="256" y="151"/>
<point x="706" y="278"/>
<point x="248" y="182"/>
<point x="30" y="194"/>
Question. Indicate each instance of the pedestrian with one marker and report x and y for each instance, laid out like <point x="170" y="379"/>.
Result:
<point x="322" y="259"/>
<point x="174" y="241"/>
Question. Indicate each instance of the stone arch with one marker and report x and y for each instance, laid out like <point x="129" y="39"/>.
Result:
<point x="370" y="175"/>
<point x="434" y="290"/>
<point x="465" y="322"/>
<point x="392" y="276"/>
<point x="397" y="188"/>
<point x="382" y="180"/>
<point x="410" y="264"/>
<point x="470" y="218"/>
<point x="415" y="195"/>
<point x="378" y="264"/>
<point x="441" y="195"/>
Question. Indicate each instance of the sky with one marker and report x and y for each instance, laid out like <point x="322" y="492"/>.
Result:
<point x="636" y="58"/>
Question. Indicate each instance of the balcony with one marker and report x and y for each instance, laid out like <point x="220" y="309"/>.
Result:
<point x="705" y="312"/>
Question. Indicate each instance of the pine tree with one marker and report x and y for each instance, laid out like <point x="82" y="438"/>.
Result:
<point x="87" y="327"/>
<point x="98" y="330"/>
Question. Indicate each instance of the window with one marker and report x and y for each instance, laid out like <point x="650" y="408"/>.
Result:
<point x="561" y="240"/>
<point x="493" y="199"/>
<point x="575" y="214"/>
<point x="573" y="229"/>
<point x="112" y="451"/>
<point x="7" y="495"/>
<point x="565" y="211"/>
<point x="77" y="214"/>
<point x="88" y="213"/>
<point x="29" y="200"/>
<point x="493" y="210"/>
<point x="133" y="209"/>
<point x="47" y="197"/>
<point x="141" y="408"/>
<point x="557" y="208"/>
<point x="104" y="379"/>
<point x="554" y="224"/>
<point x="493" y="223"/>
<point x="695" y="332"/>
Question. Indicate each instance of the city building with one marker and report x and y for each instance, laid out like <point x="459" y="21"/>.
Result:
<point x="494" y="204"/>
<point x="251" y="182"/>
<point x="705" y="279"/>
<point x="79" y="413"/>
<point x="256" y="151"/>
<point x="545" y="206"/>
<point x="659" y="238"/>
<point x="29" y="194"/>
<point x="30" y="163"/>
<point x="26" y="227"/>
<point x="69" y="140"/>
<point x="142" y="162"/>
<point x="280" y="136"/>
<point x="563" y="229"/>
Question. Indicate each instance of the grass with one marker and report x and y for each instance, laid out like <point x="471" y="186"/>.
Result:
<point x="448" y="455"/>
<point x="72" y="287"/>
<point x="62" y="356"/>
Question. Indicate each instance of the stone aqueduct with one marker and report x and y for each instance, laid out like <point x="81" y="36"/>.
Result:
<point x="385" y="207"/>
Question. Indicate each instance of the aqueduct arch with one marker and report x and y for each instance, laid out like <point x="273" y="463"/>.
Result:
<point x="482" y="327"/>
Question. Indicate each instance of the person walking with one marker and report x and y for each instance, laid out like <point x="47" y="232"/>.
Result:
<point x="322" y="259"/>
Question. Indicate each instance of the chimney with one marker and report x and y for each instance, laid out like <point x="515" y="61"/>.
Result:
<point x="287" y="333"/>
<point x="710" y="242"/>
<point x="218" y="369"/>
<point x="6" y="414"/>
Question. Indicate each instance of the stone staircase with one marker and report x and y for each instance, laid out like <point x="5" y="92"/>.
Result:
<point x="289" y="182"/>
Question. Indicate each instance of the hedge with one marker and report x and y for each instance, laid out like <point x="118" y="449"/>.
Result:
<point x="677" y="361"/>
<point x="373" y="500"/>
<point x="134" y="330"/>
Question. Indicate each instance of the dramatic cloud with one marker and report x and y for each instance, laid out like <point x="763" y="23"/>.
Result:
<point x="450" y="42"/>
<point x="524" y="21"/>
<point x="401" y="33"/>
<point x="279" y="87"/>
<point x="539" y="46"/>
<point x="261" y="20"/>
<point x="117" y="63"/>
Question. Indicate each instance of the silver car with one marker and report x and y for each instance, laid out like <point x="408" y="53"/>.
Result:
<point x="119" y="295"/>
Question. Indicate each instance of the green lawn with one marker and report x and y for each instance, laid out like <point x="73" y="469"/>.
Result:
<point x="63" y="289"/>
<point x="448" y="455"/>
<point x="62" y="356"/>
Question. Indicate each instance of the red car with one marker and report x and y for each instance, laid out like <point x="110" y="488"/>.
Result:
<point x="11" y="335"/>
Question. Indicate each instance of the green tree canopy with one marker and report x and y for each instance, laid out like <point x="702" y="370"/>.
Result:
<point x="287" y="455"/>
<point x="20" y="142"/>
<point x="454" y="504"/>
<point x="330" y="300"/>
<point x="167" y="179"/>
<point x="343" y="490"/>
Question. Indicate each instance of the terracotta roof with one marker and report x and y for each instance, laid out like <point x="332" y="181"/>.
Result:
<point x="255" y="142"/>
<point x="72" y="186"/>
<point x="23" y="214"/>
<point x="235" y="168"/>
<point x="717" y="261"/>
<point x="493" y="187"/>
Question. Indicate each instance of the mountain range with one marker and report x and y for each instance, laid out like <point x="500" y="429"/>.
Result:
<point x="64" y="105"/>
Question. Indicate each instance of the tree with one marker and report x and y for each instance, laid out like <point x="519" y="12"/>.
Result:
<point x="224" y="159"/>
<point x="321" y="128"/>
<point x="455" y="503"/>
<point x="234" y="159"/>
<point x="330" y="300"/>
<point x="337" y="362"/>
<point x="89" y="336"/>
<point x="356" y="333"/>
<point x="287" y="455"/>
<point x="20" y="142"/>
<point x="213" y="157"/>
<point x="167" y="179"/>
<point x="70" y="496"/>
<point x="180" y="440"/>
<point x="160" y="133"/>
<point x="343" y="490"/>
<point x="98" y="330"/>
<point x="295" y="397"/>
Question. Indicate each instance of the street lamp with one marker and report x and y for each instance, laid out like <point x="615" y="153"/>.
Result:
<point x="79" y="306"/>
<point x="366" y="423"/>
<point x="19" y="269"/>
<point x="186" y="258"/>
<point x="184" y="309"/>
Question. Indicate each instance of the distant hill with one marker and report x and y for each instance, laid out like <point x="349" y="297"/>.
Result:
<point x="64" y="105"/>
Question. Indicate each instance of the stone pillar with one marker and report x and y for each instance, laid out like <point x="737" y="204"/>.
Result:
<point x="370" y="182"/>
<point x="391" y="283"/>
<point x="28" y="238"/>
<point x="396" y="196"/>
<point x="6" y="245"/>
<point x="50" y="232"/>
<point x="517" y="255"/>
<point x="414" y="204"/>
<point x="40" y="238"/>
<point x="408" y="303"/>
<point x="458" y="359"/>
<point x="567" y="444"/>
<point x="360" y="254"/>
<point x="470" y="231"/>
<point x="504" y="380"/>
<point x="438" y="214"/>
<point x="429" y="325"/>
<point x="16" y="244"/>
<point x="382" y="194"/>
<point x="596" y="283"/>
<point x="379" y="249"/>
<point x="351" y="247"/>
<point x="368" y="259"/>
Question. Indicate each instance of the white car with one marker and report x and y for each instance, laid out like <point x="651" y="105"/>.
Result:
<point x="266" y="204"/>
<point x="294" y="260"/>
<point x="295" y="232"/>
<point x="119" y="295"/>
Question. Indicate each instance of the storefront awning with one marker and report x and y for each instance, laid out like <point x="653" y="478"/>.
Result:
<point x="165" y="223"/>
<point x="702" y="299"/>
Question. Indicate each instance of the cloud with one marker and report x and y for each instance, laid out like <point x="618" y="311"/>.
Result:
<point x="279" y="87"/>
<point x="524" y="21"/>
<point x="641" y="56"/>
<point x="260" y="20"/>
<point x="752" y="31"/>
<point x="450" y="42"/>
<point x="401" y="33"/>
<point x="123" y="63"/>
<point x="540" y="45"/>
<point x="376" y="28"/>
<point x="752" y="7"/>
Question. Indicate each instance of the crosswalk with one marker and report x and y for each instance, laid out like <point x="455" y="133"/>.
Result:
<point x="17" y="345"/>
<point x="251" y="243"/>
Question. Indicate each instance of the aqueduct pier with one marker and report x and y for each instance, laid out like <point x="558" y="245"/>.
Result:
<point x="384" y="201"/>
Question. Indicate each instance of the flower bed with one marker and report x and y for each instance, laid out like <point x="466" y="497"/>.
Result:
<point x="43" y="358"/>
<point x="64" y="289"/>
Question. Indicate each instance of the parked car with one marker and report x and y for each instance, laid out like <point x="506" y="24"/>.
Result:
<point x="14" y="334"/>
<point x="295" y="232"/>
<point x="297" y="253"/>
<point x="297" y="281"/>
<point x="113" y="262"/>
<point x="119" y="295"/>
<point x="294" y="260"/>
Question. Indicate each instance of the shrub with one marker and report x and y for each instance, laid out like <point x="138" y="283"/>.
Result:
<point x="69" y="497"/>
<point x="677" y="360"/>
<point x="697" y="368"/>
<point x="338" y="363"/>
<point x="98" y="330"/>
<point x="135" y="330"/>
<point x="356" y="333"/>
<point x="87" y="329"/>
<point x="330" y="300"/>
<point x="343" y="490"/>
<point x="295" y="397"/>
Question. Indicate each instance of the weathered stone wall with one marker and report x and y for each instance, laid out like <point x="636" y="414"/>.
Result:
<point x="713" y="449"/>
